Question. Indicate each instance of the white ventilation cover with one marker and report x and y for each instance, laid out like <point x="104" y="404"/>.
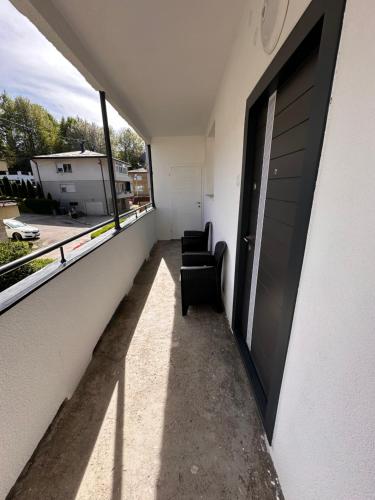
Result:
<point x="272" y="22"/>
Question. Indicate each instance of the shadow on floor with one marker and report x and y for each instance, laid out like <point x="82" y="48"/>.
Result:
<point x="164" y="410"/>
<point x="60" y="461"/>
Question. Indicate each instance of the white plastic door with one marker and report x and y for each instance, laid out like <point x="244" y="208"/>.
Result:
<point x="186" y="200"/>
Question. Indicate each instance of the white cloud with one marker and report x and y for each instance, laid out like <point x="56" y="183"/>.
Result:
<point x="32" y="67"/>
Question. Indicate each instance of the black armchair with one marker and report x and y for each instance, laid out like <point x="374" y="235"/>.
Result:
<point x="196" y="241"/>
<point x="201" y="278"/>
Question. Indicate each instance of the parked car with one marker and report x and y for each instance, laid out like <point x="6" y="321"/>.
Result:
<point x="18" y="230"/>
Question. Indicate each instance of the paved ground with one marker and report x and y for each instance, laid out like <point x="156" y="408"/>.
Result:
<point x="163" y="412"/>
<point x="56" y="228"/>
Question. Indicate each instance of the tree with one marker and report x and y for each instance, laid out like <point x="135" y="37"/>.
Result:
<point x="7" y="188"/>
<point x="26" y="129"/>
<point x="22" y="190"/>
<point x="39" y="191"/>
<point x="75" y="130"/>
<point x="15" y="189"/>
<point x="30" y="190"/>
<point x="130" y="147"/>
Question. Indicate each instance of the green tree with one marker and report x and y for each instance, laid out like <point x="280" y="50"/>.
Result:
<point x="30" y="190"/>
<point x="26" y="129"/>
<point x="130" y="147"/>
<point x="39" y="191"/>
<point x="22" y="190"/>
<point x="15" y="189"/>
<point x="7" y="186"/>
<point x="74" y="130"/>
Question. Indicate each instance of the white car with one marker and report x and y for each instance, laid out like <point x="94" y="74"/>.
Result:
<point x="17" y="230"/>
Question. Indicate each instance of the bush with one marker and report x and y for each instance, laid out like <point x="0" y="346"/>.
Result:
<point x="4" y="197"/>
<point x="31" y="191"/>
<point x="6" y="187"/>
<point x="12" y="250"/>
<point x="104" y="229"/>
<point x="40" y="206"/>
<point x="34" y="205"/>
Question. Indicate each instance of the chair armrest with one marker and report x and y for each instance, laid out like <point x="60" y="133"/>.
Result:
<point x="197" y="273"/>
<point x="198" y="259"/>
<point x="195" y="268"/>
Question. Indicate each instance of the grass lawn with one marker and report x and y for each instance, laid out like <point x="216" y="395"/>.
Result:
<point x="106" y="228"/>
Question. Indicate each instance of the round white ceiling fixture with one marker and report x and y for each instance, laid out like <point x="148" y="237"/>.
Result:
<point x="272" y="22"/>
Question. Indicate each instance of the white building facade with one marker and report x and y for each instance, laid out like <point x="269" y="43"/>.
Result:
<point x="81" y="180"/>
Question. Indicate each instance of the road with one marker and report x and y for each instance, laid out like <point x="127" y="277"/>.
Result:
<point x="56" y="228"/>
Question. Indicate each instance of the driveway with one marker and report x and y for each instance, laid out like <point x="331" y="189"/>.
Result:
<point x="54" y="228"/>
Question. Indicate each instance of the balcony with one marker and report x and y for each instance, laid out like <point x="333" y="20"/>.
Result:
<point x="252" y="104"/>
<point x="124" y="194"/>
<point x="163" y="409"/>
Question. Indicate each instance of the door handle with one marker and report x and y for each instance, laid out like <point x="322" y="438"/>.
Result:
<point x="249" y="240"/>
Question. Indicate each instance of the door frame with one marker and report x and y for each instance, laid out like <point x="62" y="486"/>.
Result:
<point x="327" y="17"/>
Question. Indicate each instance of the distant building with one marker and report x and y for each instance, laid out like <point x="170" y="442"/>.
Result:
<point x="80" y="179"/>
<point x="3" y="167"/>
<point x="18" y="177"/>
<point x="141" y="188"/>
<point x="8" y="210"/>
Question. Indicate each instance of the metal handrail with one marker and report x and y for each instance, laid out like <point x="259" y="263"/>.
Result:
<point x="10" y="266"/>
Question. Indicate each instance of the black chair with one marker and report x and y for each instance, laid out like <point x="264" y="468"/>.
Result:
<point x="196" y="241"/>
<point x="201" y="278"/>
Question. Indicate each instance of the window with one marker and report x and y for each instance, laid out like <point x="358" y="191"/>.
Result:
<point x="121" y="169"/>
<point x="120" y="187"/>
<point x="65" y="168"/>
<point x="15" y="224"/>
<point x="67" y="188"/>
<point x="128" y="187"/>
<point x="139" y="188"/>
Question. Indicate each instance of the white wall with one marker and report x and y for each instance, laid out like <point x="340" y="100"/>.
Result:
<point x="47" y="340"/>
<point x="324" y="445"/>
<point x="82" y="169"/>
<point x="246" y="65"/>
<point x="170" y="152"/>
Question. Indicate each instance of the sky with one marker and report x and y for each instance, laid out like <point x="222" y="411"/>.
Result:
<point x="32" y="67"/>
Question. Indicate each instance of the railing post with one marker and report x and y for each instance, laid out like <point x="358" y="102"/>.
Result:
<point x="109" y="159"/>
<point x="63" y="259"/>
<point x="150" y="173"/>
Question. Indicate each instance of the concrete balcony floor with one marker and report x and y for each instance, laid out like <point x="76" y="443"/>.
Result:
<point x="164" y="410"/>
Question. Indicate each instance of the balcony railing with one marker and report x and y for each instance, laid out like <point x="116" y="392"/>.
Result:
<point x="130" y="216"/>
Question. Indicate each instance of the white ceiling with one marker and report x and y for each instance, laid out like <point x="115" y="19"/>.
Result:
<point x="160" y="61"/>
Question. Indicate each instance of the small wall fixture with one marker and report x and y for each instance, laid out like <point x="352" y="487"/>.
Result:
<point x="272" y="22"/>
